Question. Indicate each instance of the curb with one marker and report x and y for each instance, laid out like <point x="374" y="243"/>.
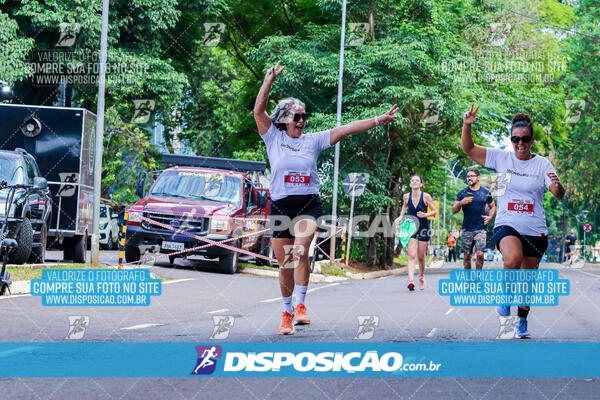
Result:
<point x="20" y="287"/>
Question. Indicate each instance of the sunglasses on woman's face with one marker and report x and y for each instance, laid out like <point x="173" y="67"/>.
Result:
<point x="524" y="139"/>
<point x="304" y="116"/>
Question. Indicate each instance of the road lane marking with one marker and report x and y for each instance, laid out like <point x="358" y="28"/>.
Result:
<point x="218" y="311"/>
<point x="321" y="287"/>
<point x="432" y="332"/>
<point x="13" y="296"/>
<point x="308" y="291"/>
<point x="177" y="281"/>
<point x="449" y="311"/>
<point x="141" y="326"/>
<point x="586" y="273"/>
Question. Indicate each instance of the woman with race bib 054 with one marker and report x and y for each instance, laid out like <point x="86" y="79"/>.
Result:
<point x="294" y="188"/>
<point x="520" y="230"/>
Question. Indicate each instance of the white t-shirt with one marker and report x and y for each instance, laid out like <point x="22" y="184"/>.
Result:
<point x="521" y="190"/>
<point x="294" y="161"/>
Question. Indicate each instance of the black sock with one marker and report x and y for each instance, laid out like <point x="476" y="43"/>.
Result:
<point x="522" y="312"/>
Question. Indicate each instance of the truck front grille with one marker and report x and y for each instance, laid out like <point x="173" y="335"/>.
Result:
<point x="195" y="225"/>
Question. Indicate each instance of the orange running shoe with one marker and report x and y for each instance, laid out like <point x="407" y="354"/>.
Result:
<point x="287" y="324"/>
<point x="300" y="315"/>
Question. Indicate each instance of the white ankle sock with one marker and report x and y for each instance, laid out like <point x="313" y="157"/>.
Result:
<point x="300" y="294"/>
<point x="287" y="304"/>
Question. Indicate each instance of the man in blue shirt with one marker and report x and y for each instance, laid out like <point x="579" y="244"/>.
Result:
<point x="473" y="200"/>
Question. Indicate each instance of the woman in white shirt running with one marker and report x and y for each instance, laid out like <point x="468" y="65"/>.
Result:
<point x="294" y="188"/>
<point x="520" y="229"/>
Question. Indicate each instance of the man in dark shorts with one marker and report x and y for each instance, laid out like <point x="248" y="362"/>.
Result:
<point x="570" y="241"/>
<point x="473" y="200"/>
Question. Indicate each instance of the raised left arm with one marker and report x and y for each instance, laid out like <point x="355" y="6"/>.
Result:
<point x="340" y="132"/>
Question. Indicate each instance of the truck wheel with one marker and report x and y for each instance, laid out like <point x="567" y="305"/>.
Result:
<point x="172" y="260"/>
<point x="38" y="253"/>
<point x="228" y="262"/>
<point x="4" y="286"/>
<point x="25" y="241"/>
<point x="80" y="248"/>
<point x="132" y="254"/>
<point x="267" y="251"/>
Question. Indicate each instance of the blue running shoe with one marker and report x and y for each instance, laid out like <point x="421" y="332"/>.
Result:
<point x="522" y="332"/>
<point x="503" y="311"/>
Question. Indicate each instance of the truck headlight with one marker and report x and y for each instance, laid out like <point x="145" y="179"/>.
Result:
<point x="219" y="225"/>
<point x="134" y="217"/>
<point x="103" y="225"/>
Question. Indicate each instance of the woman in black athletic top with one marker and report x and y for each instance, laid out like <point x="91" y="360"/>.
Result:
<point x="417" y="246"/>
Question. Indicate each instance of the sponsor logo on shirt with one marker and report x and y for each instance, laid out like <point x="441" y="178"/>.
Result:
<point x="287" y="146"/>
<point x="534" y="176"/>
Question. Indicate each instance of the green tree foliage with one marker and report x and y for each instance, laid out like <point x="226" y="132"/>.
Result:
<point x="446" y="51"/>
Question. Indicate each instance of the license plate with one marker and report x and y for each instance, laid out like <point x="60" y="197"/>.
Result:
<point x="177" y="246"/>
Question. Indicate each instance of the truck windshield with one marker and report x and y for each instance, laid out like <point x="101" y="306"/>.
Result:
<point x="11" y="170"/>
<point x="102" y="212"/>
<point x="198" y="185"/>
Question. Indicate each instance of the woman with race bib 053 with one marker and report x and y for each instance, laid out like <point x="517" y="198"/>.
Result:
<point x="520" y="230"/>
<point x="294" y="188"/>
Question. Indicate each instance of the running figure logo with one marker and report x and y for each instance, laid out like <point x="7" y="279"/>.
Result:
<point x="366" y="326"/>
<point x="68" y="34"/>
<point x="77" y="326"/>
<point x="213" y="31"/>
<point x="508" y="327"/>
<point x="357" y="33"/>
<point x="207" y="359"/>
<point x="500" y="32"/>
<point x="65" y="189"/>
<point x="223" y="324"/>
<point x="292" y="255"/>
<point x="142" y="111"/>
<point x="573" y="109"/>
<point x="431" y="111"/>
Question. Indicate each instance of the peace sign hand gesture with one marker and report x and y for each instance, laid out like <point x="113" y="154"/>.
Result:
<point x="388" y="116"/>
<point x="273" y="72"/>
<point x="470" y="117"/>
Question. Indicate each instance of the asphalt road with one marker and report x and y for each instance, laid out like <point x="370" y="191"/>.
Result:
<point x="184" y="313"/>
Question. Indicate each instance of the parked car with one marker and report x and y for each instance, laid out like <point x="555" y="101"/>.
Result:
<point x="210" y="197"/>
<point x="489" y="254"/>
<point x="30" y="211"/>
<point x="109" y="228"/>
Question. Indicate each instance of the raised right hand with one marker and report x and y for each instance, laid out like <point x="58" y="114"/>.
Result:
<point x="273" y="72"/>
<point x="470" y="116"/>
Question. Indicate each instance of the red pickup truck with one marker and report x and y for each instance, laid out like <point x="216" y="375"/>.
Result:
<point x="214" y="198"/>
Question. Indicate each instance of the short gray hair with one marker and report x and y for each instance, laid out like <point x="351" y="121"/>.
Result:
<point x="282" y="111"/>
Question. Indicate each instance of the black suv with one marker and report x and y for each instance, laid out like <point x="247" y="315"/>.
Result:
<point x="30" y="212"/>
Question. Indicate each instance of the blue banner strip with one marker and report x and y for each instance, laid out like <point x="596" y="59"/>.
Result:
<point x="93" y="359"/>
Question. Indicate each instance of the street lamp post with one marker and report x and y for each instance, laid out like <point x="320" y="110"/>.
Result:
<point x="584" y="213"/>
<point x="99" y="137"/>
<point x="336" y="163"/>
